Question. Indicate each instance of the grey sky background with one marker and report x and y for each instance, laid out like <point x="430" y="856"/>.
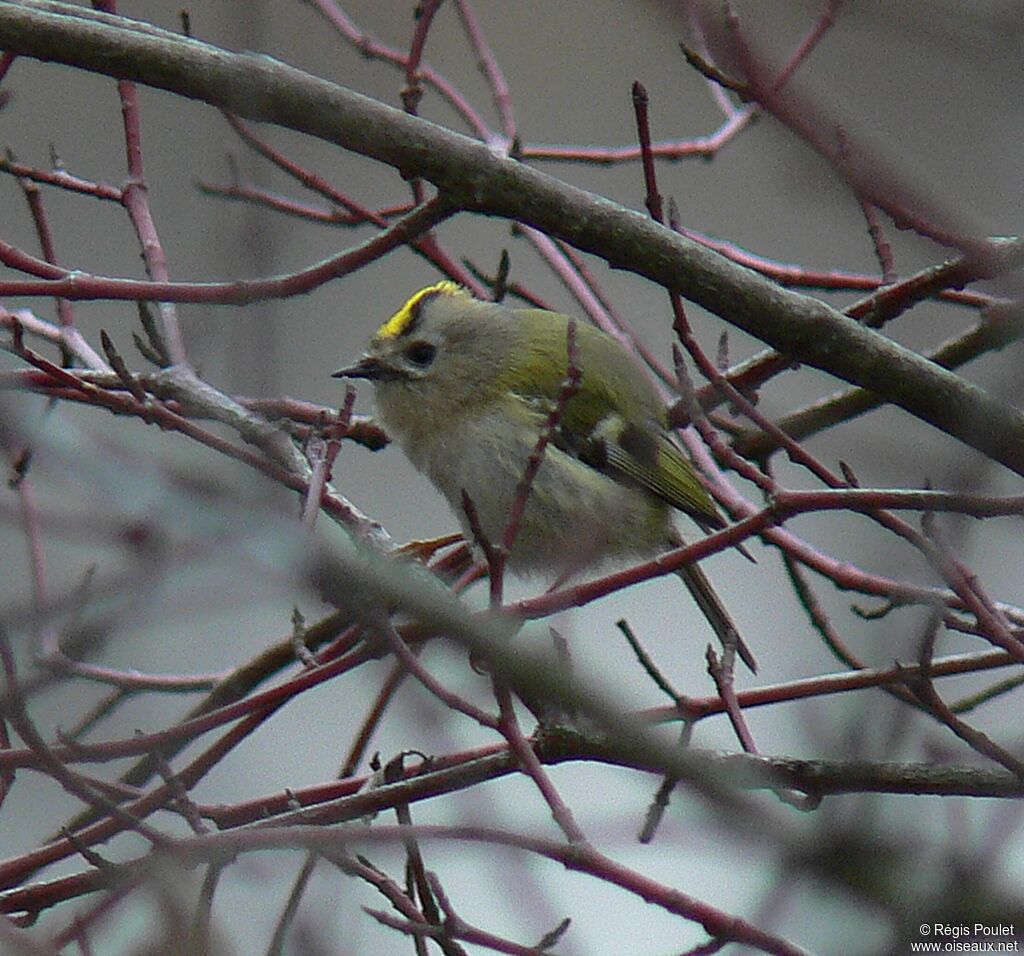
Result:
<point x="933" y="87"/>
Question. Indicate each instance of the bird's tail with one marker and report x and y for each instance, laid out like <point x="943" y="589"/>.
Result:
<point x="714" y="610"/>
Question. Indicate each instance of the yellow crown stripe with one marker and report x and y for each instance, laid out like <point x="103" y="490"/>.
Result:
<point x="401" y="320"/>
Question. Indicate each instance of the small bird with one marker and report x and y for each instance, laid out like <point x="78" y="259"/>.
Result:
<point x="465" y="388"/>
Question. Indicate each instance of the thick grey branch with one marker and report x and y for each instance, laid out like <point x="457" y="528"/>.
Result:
<point x="259" y="88"/>
<point x="818" y="777"/>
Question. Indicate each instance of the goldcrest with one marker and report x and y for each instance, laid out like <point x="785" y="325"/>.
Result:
<point x="465" y="388"/>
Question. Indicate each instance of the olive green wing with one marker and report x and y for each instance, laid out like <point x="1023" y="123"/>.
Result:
<point x="613" y="421"/>
<point x="644" y="456"/>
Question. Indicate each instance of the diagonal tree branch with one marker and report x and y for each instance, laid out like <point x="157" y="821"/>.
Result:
<point x="472" y="177"/>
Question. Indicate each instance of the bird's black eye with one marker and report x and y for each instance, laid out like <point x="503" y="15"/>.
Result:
<point x="421" y="353"/>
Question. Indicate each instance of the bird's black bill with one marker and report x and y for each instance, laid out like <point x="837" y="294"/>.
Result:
<point x="365" y="368"/>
